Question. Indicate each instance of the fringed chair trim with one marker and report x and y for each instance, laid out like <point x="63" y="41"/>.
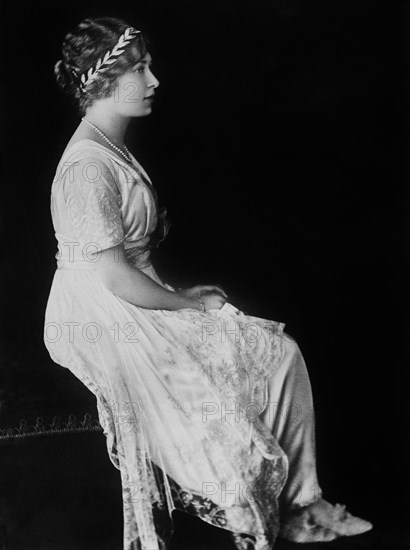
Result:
<point x="24" y="430"/>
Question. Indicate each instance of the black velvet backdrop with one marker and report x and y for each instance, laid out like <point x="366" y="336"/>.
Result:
<point x="278" y="143"/>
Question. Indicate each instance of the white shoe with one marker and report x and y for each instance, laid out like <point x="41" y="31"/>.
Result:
<point x="321" y="522"/>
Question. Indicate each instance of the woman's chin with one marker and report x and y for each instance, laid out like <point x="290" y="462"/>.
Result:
<point x="147" y="111"/>
<point x="140" y="114"/>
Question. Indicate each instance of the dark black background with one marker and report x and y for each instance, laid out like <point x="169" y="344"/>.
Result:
<point x="278" y="142"/>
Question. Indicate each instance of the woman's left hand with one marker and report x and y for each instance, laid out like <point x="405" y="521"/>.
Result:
<point x="200" y="290"/>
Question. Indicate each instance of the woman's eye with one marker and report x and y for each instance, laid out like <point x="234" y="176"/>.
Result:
<point x="142" y="68"/>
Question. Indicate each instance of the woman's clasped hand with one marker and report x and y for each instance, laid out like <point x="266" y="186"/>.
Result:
<point x="213" y="296"/>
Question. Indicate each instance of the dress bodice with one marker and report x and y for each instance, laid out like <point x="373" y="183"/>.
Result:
<point x="98" y="200"/>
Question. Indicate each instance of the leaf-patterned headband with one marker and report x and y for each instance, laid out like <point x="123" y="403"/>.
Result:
<point x="109" y="58"/>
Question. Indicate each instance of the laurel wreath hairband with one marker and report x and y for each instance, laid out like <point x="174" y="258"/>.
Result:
<point x="109" y="58"/>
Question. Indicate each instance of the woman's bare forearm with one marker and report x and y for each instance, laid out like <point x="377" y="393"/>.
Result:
<point x="134" y="286"/>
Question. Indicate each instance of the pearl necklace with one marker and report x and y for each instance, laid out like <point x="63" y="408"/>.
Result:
<point x="127" y="158"/>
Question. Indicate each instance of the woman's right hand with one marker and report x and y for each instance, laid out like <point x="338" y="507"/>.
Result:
<point x="213" y="300"/>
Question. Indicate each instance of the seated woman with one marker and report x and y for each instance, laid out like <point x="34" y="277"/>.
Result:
<point x="196" y="397"/>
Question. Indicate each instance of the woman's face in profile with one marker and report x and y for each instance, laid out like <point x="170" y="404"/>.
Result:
<point x="134" y="93"/>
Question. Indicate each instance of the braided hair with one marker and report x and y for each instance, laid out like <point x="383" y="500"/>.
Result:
<point x="82" y="47"/>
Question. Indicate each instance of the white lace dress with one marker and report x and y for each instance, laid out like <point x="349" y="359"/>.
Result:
<point x="179" y="393"/>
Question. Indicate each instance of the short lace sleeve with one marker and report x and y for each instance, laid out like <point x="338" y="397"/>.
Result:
<point x="93" y="203"/>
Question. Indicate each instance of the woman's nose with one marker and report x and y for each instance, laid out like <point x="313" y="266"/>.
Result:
<point x="153" y="81"/>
